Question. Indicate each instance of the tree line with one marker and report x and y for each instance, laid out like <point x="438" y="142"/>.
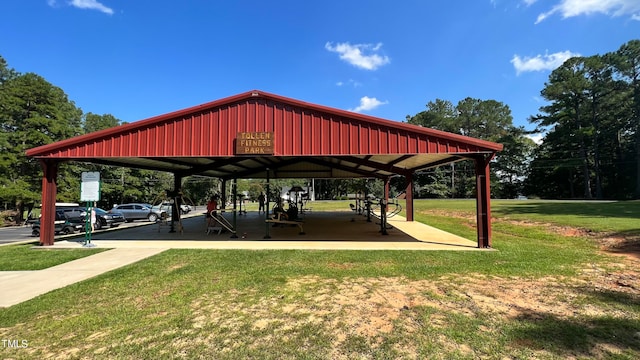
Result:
<point x="592" y="125"/>
<point x="590" y="148"/>
<point x="33" y="112"/>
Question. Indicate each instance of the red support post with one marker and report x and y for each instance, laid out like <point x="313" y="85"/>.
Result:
<point x="483" y="200"/>
<point x="409" y="196"/>
<point x="49" y="194"/>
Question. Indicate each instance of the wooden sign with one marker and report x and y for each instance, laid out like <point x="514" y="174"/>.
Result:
<point x="254" y="143"/>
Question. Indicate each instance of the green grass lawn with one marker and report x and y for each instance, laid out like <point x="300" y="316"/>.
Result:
<point x="31" y="257"/>
<point x="542" y="295"/>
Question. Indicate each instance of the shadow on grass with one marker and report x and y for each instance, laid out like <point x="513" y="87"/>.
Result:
<point x="613" y="297"/>
<point x="575" y="337"/>
<point x="619" y="209"/>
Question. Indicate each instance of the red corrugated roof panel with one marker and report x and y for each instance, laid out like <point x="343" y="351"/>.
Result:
<point x="300" y="129"/>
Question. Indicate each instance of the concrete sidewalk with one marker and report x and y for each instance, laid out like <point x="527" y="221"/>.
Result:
<point x="19" y="286"/>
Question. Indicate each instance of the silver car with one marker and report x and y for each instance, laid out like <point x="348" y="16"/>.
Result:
<point x="137" y="211"/>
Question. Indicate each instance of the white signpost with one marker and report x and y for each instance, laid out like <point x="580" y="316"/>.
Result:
<point x="90" y="188"/>
<point x="90" y="192"/>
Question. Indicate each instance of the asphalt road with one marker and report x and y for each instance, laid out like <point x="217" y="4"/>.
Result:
<point x="23" y="233"/>
<point x="15" y="233"/>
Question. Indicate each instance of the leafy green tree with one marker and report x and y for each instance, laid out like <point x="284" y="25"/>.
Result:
<point x="484" y="119"/>
<point x="440" y="114"/>
<point x="200" y="189"/>
<point x="592" y="125"/>
<point x="6" y="73"/>
<point x="94" y="122"/>
<point x="555" y="168"/>
<point x="32" y="113"/>
<point x="627" y="64"/>
<point x="513" y="165"/>
<point x="566" y="91"/>
<point x="434" y="183"/>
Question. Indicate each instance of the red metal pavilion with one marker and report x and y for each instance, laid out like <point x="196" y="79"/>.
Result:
<point x="308" y="141"/>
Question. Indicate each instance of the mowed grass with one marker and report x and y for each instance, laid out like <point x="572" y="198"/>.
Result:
<point x="26" y="256"/>
<point x="541" y="295"/>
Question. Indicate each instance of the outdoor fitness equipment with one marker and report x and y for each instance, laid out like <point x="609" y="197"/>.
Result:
<point x="289" y="217"/>
<point x="240" y="197"/>
<point x="216" y="217"/>
<point x="169" y="202"/>
<point x="300" y="198"/>
<point x="381" y="212"/>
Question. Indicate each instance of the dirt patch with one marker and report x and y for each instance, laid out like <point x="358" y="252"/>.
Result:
<point x="627" y="246"/>
<point x="374" y="308"/>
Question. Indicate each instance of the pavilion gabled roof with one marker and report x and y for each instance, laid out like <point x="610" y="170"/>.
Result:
<point x="308" y="140"/>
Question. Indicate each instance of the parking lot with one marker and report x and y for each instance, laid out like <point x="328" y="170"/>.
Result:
<point x="14" y="234"/>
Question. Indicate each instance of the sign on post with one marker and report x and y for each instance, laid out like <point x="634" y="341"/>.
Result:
<point x="90" y="192"/>
<point x="90" y="188"/>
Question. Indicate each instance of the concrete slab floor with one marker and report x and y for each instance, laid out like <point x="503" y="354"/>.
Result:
<point x="323" y="230"/>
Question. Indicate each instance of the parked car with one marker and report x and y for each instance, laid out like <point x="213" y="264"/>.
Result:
<point x="137" y="211"/>
<point x="107" y="218"/>
<point x="167" y="207"/>
<point x="62" y="225"/>
<point x="72" y="213"/>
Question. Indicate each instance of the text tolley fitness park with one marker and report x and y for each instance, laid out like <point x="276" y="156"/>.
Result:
<point x="254" y="143"/>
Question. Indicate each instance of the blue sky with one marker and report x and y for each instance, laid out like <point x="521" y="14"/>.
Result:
<point x="137" y="59"/>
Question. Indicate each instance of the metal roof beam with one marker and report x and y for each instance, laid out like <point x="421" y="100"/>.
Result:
<point x="216" y="163"/>
<point x="273" y="166"/>
<point x="430" y="165"/>
<point x="127" y="165"/>
<point x="172" y="161"/>
<point x="399" y="160"/>
<point x="320" y="161"/>
<point x="375" y="165"/>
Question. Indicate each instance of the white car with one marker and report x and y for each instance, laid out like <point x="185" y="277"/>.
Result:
<point x="167" y="206"/>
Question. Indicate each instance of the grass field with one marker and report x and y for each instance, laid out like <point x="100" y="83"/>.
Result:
<point x="563" y="284"/>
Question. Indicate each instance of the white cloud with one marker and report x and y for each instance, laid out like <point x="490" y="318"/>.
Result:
<point x="570" y="8"/>
<point x="92" y="5"/>
<point x="351" y="82"/>
<point x="360" y="55"/>
<point x="541" y="62"/>
<point x="529" y="2"/>
<point x="85" y="4"/>
<point x="367" y="103"/>
<point x="537" y="138"/>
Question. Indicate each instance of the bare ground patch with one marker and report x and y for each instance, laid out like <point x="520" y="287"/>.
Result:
<point x="375" y="308"/>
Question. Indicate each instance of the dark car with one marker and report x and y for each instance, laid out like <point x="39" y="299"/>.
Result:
<point x="62" y="225"/>
<point x="107" y="218"/>
<point x="72" y="213"/>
